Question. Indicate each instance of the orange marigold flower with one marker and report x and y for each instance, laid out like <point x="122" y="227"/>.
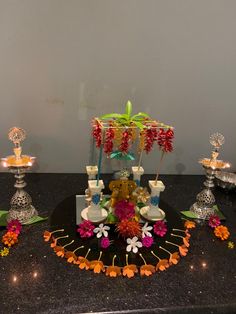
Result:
<point x="186" y="243"/>
<point x="83" y="263"/>
<point x="222" y="232"/>
<point x="47" y="236"/>
<point x="97" y="266"/>
<point x="187" y="234"/>
<point x="10" y="238"/>
<point x="71" y="257"/>
<point x="162" y="265"/>
<point x="147" y="270"/>
<point x="183" y="250"/>
<point x="130" y="270"/>
<point x="54" y="242"/>
<point x="113" y="271"/>
<point x="59" y="250"/>
<point x="174" y="258"/>
<point x="189" y="224"/>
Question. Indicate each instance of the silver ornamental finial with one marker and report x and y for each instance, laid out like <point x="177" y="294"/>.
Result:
<point x="16" y="135"/>
<point x="217" y="140"/>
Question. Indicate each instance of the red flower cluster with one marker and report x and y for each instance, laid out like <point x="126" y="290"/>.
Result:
<point x="97" y="133"/>
<point x="150" y="137"/>
<point x="124" y="209"/>
<point x="165" y="139"/>
<point x="85" y="229"/>
<point x="13" y="230"/>
<point x="109" y="136"/>
<point x="124" y="146"/>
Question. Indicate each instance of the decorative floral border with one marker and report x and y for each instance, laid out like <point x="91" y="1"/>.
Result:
<point x="127" y="270"/>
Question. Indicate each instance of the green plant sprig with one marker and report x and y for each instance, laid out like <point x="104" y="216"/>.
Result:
<point x="127" y="119"/>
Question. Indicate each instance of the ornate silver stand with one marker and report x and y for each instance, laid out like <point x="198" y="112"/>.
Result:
<point x="21" y="202"/>
<point x="204" y="206"/>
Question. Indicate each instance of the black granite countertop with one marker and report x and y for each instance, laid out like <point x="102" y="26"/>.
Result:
<point x="34" y="280"/>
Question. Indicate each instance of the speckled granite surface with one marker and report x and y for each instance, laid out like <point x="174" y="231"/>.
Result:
<point x="34" y="280"/>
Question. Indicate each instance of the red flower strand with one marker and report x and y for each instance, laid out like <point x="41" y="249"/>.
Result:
<point x="109" y="136"/>
<point x="150" y="137"/>
<point x="97" y="133"/>
<point x="165" y="139"/>
<point x="124" y="146"/>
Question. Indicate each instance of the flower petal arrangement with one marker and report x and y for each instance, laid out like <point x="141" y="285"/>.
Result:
<point x="135" y="248"/>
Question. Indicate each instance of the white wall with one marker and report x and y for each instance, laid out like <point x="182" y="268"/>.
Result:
<point x="64" y="61"/>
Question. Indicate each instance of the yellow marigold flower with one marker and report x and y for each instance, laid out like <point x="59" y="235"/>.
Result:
<point x="230" y="245"/>
<point x="4" y="252"/>
<point x="222" y="232"/>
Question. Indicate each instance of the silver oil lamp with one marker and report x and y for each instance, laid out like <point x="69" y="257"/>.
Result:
<point x="203" y="208"/>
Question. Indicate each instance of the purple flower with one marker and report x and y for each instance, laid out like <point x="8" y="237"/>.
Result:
<point x="14" y="226"/>
<point x="214" y="221"/>
<point x="105" y="242"/>
<point x="85" y="229"/>
<point x="124" y="209"/>
<point x="160" y="228"/>
<point x="147" y="241"/>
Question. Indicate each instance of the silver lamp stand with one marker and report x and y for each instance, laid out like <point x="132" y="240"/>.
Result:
<point x="203" y="208"/>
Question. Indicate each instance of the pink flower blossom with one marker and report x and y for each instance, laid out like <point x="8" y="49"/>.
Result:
<point x="85" y="229"/>
<point x="160" y="228"/>
<point x="147" y="241"/>
<point x="214" y="221"/>
<point x="124" y="209"/>
<point x="14" y="226"/>
<point x="105" y="242"/>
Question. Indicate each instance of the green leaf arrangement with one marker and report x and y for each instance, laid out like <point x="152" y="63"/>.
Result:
<point x="127" y="119"/>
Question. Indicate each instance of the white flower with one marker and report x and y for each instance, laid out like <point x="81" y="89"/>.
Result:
<point x="133" y="245"/>
<point x="145" y="230"/>
<point x="101" y="230"/>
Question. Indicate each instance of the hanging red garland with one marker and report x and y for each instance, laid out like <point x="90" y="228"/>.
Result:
<point x="109" y="136"/>
<point x="124" y="146"/>
<point x="165" y="139"/>
<point x="150" y="137"/>
<point x="97" y="133"/>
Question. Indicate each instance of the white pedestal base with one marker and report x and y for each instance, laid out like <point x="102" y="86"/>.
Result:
<point x="94" y="212"/>
<point x="153" y="212"/>
<point x="152" y="215"/>
<point x="99" y="216"/>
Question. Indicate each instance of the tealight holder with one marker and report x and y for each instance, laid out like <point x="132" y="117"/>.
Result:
<point x="153" y="211"/>
<point x="21" y="207"/>
<point x="92" y="172"/>
<point x="94" y="212"/>
<point x="203" y="208"/>
<point x="137" y="173"/>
